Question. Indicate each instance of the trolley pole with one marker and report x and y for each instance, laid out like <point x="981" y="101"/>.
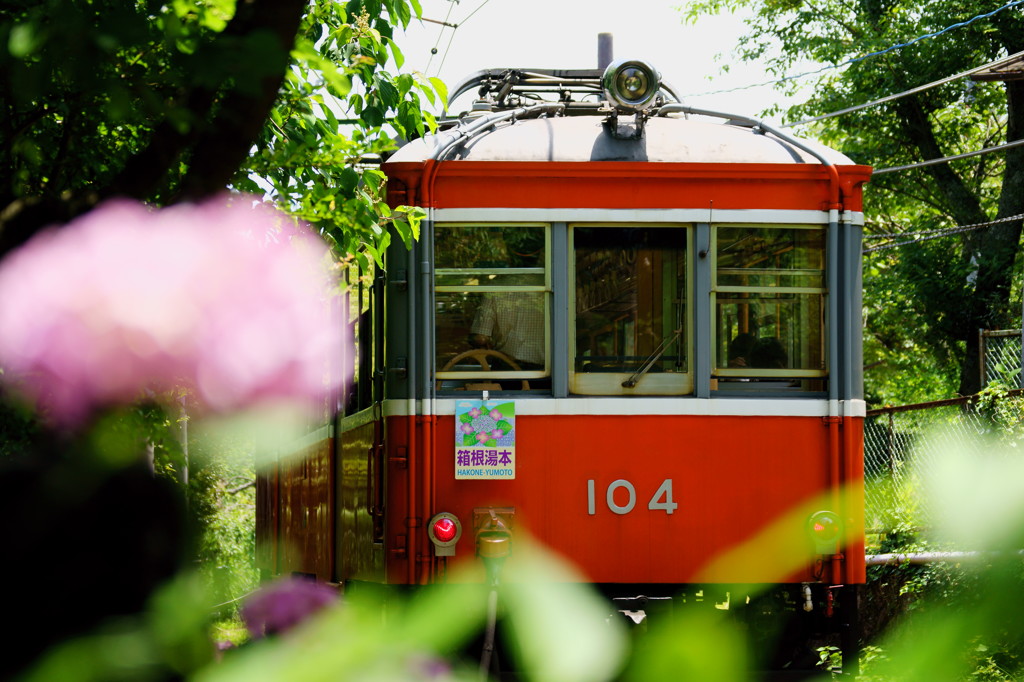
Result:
<point x="604" y="50"/>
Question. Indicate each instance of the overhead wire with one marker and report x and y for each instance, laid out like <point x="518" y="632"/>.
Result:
<point x="944" y="159"/>
<point x="927" y="235"/>
<point x="468" y="17"/>
<point x="923" y="88"/>
<point x="905" y="93"/>
<point x="444" y="24"/>
<point x="854" y="60"/>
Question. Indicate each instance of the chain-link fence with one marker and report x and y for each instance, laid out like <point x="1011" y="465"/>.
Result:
<point x="903" y="445"/>
<point x="1001" y="357"/>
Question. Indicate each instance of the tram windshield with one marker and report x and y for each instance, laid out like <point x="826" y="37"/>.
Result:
<point x="630" y="326"/>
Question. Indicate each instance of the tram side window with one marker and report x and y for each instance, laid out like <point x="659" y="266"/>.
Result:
<point x="630" y="329"/>
<point x="769" y="308"/>
<point x="358" y="299"/>
<point x="491" y="307"/>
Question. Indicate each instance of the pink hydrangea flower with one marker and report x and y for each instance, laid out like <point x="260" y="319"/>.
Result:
<point x="497" y="433"/>
<point x="225" y="297"/>
<point x="483" y="437"/>
<point x="496" y="416"/>
<point x="467" y="429"/>
<point x="474" y="412"/>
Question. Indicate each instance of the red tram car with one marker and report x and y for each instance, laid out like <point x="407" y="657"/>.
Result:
<point x="630" y="327"/>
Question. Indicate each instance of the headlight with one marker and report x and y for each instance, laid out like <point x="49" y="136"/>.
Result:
<point x="631" y="84"/>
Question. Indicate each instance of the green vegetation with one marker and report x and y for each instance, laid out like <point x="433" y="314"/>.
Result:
<point x="223" y="491"/>
<point x="926" y="301"/>
<point x="183" y="100"/>
<point x="953" y="618"/>
<point x="169" y="102"/>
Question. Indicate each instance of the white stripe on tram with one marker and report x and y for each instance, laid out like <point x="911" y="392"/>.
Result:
<point x="711" y="407"/>
<point x="617" y="215"/>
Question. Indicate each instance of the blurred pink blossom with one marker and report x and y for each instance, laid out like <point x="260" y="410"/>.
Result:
<point x="225" y="297"/>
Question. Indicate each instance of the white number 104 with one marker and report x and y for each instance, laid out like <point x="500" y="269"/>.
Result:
<point x="660" y="501"/>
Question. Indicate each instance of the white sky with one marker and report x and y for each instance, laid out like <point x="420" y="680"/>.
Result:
<point x="563" y="34"/>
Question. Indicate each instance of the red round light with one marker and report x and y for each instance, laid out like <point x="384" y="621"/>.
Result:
<point x="826" y="527"/>
<point x="445" y="529"/>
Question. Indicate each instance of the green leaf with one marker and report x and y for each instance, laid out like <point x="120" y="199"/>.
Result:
<point x="373" y="116"/>
<point x="389" y="96"/>
<point x="23" y="40"/>
<point x="440" y="88"/>
<point x="404" y="231"/>
<point x="348" y="180"/>
<point x="397" y="53"/>
<point x="374" y="179"/>
<point x="410" y="118"/>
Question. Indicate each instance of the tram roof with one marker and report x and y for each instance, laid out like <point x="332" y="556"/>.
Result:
<point x="666" y="139"/>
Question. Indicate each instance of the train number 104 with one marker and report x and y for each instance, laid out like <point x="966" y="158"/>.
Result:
<point x="660" y="501"/>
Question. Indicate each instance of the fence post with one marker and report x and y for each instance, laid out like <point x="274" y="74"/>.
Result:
<point x="981" y="357"/>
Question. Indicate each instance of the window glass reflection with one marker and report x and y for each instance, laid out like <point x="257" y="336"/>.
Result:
<point x="769" y="304"/>
<point x="630" y="299"/>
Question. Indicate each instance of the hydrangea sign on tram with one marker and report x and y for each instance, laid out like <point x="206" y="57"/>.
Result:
<point x="485" y="440"/>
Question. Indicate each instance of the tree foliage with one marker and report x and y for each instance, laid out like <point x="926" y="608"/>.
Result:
<point x="171" y="101"/>
<point x="943" y="291"/>
<point x="167" y="101"/>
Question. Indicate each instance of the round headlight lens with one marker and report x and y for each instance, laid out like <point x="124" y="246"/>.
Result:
<point x="631" y="84"/>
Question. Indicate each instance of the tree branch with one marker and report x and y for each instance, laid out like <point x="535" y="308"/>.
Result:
<point x="248" y="484"/>
<point x="225" y="124"/>
<point x="223" y="146"/>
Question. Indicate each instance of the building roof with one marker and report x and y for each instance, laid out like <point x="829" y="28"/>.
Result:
<point x="1010" y="69"/>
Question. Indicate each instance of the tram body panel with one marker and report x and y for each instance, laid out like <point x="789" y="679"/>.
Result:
<point x="731" y="477"/>
<point x="360" y="552"/>
<point x="610" y="185"/>
<point x="305" y="511"/>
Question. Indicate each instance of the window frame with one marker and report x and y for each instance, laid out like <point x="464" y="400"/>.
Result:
<point x="822" y="291"/>
<point x="545" y="289"/>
